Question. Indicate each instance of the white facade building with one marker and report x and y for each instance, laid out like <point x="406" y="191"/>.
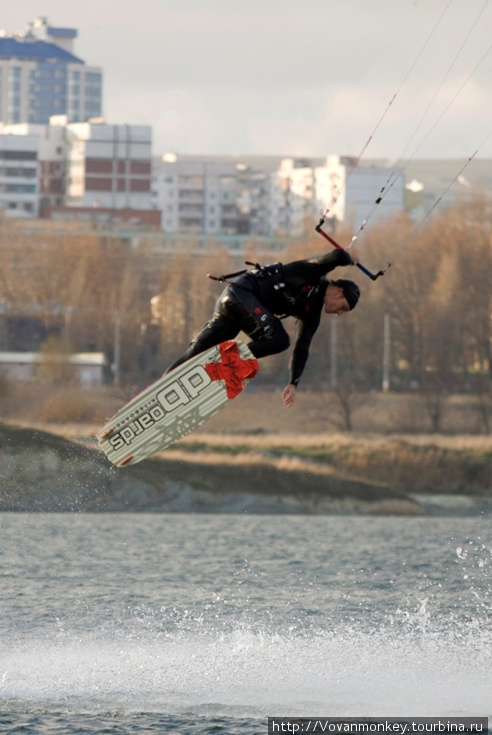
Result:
<point x="292" y="191"/>
<point x="350" y="191"/>
<point x="80" y="165"/>
<point x="88" y="367"/>
<point x="196" y="195"/>
<point x="214" y="197"/>
<point x="19" y="175"/>
<point x="52" y="157"/>
<point x="301" y="191"/>
<point x="109" y="165"/>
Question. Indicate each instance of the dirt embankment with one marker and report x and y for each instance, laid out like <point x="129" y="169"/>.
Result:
<point x="42" y="471"/>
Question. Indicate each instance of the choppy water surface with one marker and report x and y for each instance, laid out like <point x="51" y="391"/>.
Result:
<point x="196" y="624"/>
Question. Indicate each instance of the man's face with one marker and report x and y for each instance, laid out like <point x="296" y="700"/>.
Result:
<point x="335" y="301"/>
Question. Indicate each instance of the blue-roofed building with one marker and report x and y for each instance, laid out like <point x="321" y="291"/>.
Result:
<point x="40" y="76"/>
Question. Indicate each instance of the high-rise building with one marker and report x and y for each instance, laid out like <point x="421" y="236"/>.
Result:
<point x="40" y="76"/>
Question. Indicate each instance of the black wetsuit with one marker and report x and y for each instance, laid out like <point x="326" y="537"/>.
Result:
<point x="255" y="301"/>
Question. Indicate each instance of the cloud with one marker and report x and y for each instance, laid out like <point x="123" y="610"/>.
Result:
<point x="312" y="122"/>
<point x="283" y="77"/>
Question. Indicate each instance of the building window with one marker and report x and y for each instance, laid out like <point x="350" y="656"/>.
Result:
<point x="191" y="180"/>
<point x="21" y="188"/>
<point x="139" y="185"/>
<point x="19" y="155"/>
<point x="93" y="78"/>
<point x="102" y="184"/>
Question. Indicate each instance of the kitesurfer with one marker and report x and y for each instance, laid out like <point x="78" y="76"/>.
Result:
<point x="257" y="299"/>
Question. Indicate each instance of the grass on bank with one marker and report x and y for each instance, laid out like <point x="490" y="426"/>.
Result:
<point x="256" y="429"/>
<point x="259" y="412"/>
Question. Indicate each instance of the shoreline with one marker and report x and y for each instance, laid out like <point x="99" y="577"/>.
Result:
<point x="62" y="470"/>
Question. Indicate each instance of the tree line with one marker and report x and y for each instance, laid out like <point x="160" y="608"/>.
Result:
<point x="142" y="307"/>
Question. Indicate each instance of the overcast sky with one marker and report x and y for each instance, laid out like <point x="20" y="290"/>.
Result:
<point x="289" y="77"/>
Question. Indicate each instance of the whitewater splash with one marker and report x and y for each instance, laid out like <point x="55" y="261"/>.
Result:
<point x="188" y="618"/>
<point x="395" y="671"/>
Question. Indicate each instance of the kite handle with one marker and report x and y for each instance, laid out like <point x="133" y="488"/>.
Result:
<point x="372" y="276"/>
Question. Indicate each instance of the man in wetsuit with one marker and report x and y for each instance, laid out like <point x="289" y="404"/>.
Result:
<point x="256" y="300"/>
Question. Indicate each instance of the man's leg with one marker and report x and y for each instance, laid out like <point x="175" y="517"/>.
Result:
<point x="239" y="310"/>
<point x="266" y="331"/>
<point x="217" y="330"/>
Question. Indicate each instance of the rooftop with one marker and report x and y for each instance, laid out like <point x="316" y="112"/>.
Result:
<point x="35" y="50"/>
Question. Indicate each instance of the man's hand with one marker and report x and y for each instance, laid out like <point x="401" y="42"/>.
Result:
<point x="289" y="395"/>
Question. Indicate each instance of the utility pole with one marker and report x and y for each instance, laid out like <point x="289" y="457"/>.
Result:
<point x="117" y="348"/>
<point x="333" y="352"/>
<point x="386" y="352"/>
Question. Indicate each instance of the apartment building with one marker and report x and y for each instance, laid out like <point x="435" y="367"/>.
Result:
<point x="292" y="195"/>
<point x="19" y="175"/>
<point x="196" y="195"/>
<point x="238" y="197"/>
<point x="52" y="155"/>
<point x="40" y="76"/>
<point x="303" y="189"/>
<point x="350" y="189"/>
<point x="79" y="165"/>
<point x="109" y="166"/>
<point x="220" y="197"/>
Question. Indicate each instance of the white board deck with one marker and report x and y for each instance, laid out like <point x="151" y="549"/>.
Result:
<point x="177" y="403"/>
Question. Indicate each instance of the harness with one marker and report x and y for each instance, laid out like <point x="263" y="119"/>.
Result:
<point x="275" y="273"/>
<point x="260" y="271"/>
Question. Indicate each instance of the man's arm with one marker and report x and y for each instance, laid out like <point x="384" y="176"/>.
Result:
<point x="318" y="266"/>
<point x="300" y="354"/>
<point x="311" y="269"/>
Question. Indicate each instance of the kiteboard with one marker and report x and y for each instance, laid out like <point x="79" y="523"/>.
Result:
<point x="177" y="403"/>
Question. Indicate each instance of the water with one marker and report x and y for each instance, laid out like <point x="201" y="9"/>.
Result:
<point x="124" y="623"/>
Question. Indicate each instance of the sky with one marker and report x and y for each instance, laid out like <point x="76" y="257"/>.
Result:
<point x="393" y="79"/>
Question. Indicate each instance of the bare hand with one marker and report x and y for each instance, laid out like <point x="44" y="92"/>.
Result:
<point x="289" y="395"/>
